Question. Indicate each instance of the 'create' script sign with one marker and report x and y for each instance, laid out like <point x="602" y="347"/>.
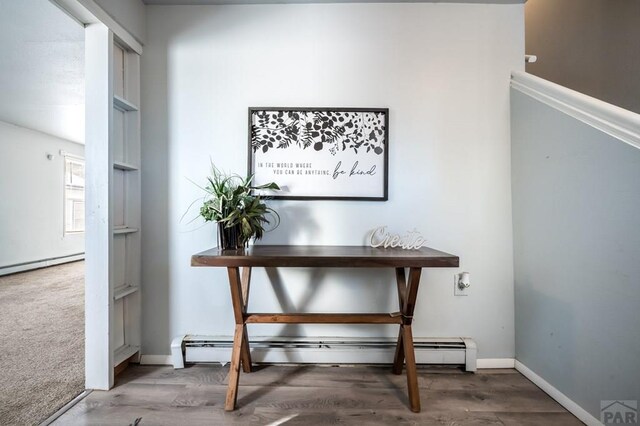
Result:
<point x="411" y="240"/>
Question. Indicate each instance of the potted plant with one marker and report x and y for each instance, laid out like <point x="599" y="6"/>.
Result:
<point x="239" y="213"/>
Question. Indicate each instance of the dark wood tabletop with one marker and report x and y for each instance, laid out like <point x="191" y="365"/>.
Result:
<point x="326" y="256"/>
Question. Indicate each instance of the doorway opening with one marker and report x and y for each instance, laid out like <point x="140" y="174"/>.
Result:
<point x="42" y="223"/>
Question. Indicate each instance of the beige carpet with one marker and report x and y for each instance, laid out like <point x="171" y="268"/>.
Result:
<point x="41" y="342"/>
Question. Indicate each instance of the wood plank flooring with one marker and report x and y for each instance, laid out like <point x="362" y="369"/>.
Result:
<point x="317" y="395"/>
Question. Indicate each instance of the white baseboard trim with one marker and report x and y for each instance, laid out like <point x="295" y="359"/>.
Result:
<point x="488" y="363"/>
<point x="156" y="360"/>
<point x="554" y="393"/>
<point x="38" y="264"/>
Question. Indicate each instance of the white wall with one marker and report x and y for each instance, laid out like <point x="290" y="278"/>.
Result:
<point x="131" y="14"/>
<point x="576" y="197"/>
<point x="443" y="71"/>
<point x="31" y="190"/>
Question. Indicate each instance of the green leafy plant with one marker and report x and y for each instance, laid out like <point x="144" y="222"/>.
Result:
<point x="231" y="203"/>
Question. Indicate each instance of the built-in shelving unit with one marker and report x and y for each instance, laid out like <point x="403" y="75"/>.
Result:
<point x="124" y="290"/>
<point x="124" y="166"/>
<point x="123" y="104"/>
<point x="112" y="150"/>
<point x="125" y="153"/>
<point x="124" y="230"/>
<point x="125" y="352"/>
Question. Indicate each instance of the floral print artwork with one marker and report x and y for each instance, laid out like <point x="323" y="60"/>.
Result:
<point x="333" y="131"/>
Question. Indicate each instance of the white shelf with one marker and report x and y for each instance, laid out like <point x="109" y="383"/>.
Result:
<point x="124" y="230"/>
<point x="124" y="291"/>
<point x="125" y="188"/>
<point x="123" y="353"/>
<point x="123" y="104"/>
<point x="124" y="166"/>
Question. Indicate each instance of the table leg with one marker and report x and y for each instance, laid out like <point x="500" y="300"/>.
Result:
<point x="412" y="293"/>
<point x="407" y="295"/>
<point x="245" y="285"/>
<point x="245" y="355"/>
<point x="234" y="370"/>
<point x="240" y="353"/>
<point x="398" y="359"/>
<point x="412" y="374"/>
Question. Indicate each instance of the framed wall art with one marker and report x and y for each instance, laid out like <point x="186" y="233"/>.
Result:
<point x="321" y="153"/>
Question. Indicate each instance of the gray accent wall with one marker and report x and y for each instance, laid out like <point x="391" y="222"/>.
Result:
<point x="576" y="221"/>
<point x="592" y="46"/>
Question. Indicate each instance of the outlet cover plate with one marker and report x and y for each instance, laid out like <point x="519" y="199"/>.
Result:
<point x="456" y="290"/>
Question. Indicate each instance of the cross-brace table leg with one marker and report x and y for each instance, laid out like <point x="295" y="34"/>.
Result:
<point x="245" y="354"/>
<point x="407" y="294"/>
<point x="398" y="360"/>
<point x="240" y="353"/>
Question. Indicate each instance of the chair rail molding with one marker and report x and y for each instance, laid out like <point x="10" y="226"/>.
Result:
<point x="618" y="122"/>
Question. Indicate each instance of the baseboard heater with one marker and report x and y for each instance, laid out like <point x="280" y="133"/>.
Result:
<point x="38" y="264"/>
<point x="324" y="350"/>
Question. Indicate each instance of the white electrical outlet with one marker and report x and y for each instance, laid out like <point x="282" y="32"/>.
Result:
<point x="461" y="283"/>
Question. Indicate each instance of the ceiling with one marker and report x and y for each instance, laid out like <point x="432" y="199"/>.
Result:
<point x="41" y="68"/>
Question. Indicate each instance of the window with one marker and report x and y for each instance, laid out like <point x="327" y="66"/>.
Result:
<point x="73" y="195"/>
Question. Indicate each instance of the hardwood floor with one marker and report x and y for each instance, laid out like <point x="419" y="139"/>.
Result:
<point x="316" y="395"/>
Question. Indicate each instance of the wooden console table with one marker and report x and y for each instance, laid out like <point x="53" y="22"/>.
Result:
<point x="324" y="257"/>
